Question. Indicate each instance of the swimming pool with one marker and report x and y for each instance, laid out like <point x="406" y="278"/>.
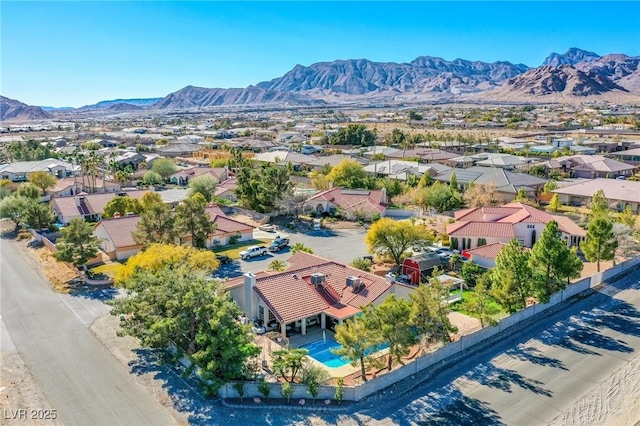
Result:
<point x="320" y="350"/>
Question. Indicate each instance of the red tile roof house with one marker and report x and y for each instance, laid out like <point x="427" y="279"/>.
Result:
<point x="488" y="225"/>
<point x="311" y="289"/>
<point x="484" y="255"/>
<point x="355" y="203"/>
<point x="227" y="189"/>
<point x="116" y="238"/>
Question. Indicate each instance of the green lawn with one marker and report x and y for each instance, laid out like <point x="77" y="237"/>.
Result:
<point x="109" y="269"/>
<point x="471" y="295"/>
<point x="233" y="251"/>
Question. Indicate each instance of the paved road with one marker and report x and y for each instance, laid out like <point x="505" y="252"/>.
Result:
<point x="77" y="374"/>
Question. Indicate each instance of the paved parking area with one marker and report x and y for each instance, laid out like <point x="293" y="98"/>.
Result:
<point x="341" y="245"/>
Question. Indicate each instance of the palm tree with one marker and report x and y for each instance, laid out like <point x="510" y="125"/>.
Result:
<point x="277" y="265"/>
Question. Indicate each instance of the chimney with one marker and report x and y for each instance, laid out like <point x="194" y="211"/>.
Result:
<point x="249" y="284"/>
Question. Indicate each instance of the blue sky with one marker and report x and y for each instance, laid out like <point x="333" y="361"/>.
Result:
<point x="77" y="53"/>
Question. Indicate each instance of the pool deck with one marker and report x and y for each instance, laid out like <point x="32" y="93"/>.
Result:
<point x="314" y="335"/>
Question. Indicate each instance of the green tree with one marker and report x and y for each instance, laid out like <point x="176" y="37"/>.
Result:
<point x="165" y="167"/>
<point x="264" y="389"/>
<point x="470" y="272"/>
<point x="38" y="215"/>
<point x="239" y="387"/>
<point x="203" y="184"/>
<point x="13" y="208"/>
<point x="440" y="197"/>
<point x="29" y="191"/>
<point x="300" y="247"/>
<point x="122" y="205"/>
<point x="353" y="134"/>
<point x="261" y="188"/>
<point x="552" y="263"/>
<point x="393" y="238"/>
<point x="42" y="180"/>
<point x="600" y="244"/>
<point x="362" y="264"/>
<point x="286" y="390"/>
<point x="429" y="312"/>
<point x="389" y="321"/>
<point x="152" y="178"/>
<point x="350" y="174"/>
<point x="157" y="222"/>
<point x="277" y="265"/>
<point x="521" y="195"/>
<point x="538" y="170"/>
<point x="628" y="217"/>
<point x="192" y="219"/>
<point x="511" y="277"/>
<point x="599" y="205"/>
<point x="482" y="305"/>
<point x="7" y="188"/>
<point x="453" y="182"/>
<point x="339" y="395"/>
<point x="77" y="244"/>
<point x="554" y="203"/>
<point x="357" y="341"/>
<point x="182" y="306"/>
<point x="288" y="363"/>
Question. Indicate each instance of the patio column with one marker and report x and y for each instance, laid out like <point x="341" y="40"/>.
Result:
<point x="265" y="320"/>
<point x="304" y="326"/>
<point x="339" y="322"/>
<point x="283" y="329"/>
<point x="323" y="320"/>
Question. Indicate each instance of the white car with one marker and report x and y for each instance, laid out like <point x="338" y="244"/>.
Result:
<point x="253" y="251"/>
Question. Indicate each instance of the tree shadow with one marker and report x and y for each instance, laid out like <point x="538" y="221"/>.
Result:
<point x="592" y="337"/>
<point x="102" y="294"/>
<point x="533" y="355"/>
<point x="231" y="270"/>
<point x="503" y="379"/>
<point x="463" y="411"/>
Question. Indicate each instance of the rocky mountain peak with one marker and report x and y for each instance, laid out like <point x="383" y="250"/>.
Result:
<point x="572" y="56"/>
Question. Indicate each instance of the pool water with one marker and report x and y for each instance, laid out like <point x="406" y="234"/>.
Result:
<point x="320" y="350"/>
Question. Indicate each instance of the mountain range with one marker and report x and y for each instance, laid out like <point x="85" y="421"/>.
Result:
<point x="566" y="77"/>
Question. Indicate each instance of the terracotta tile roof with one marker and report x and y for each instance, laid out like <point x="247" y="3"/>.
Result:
<point x="568" y="226"/>
<point x="367" y="201"/>
<point x="301" y="259"/>
<point x="483" y="229"/>
<point x="120" y="229"/>
<point x="224" y="224"/>
<point x="490" y="251"/>
<point x="291" y="296"/>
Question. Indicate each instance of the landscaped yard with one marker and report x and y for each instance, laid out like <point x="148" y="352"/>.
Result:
<point x="108" y="269"/>
<point x="471" y="295"/>
<point x="233" y="251"/>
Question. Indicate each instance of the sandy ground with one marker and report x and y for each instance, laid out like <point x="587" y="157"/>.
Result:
<point x="19" y="391"/>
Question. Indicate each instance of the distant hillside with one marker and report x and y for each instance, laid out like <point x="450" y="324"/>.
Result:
<point x="142" y="102"/>
<point x="121" y="107"/>
<point x="572" y="56"/>
<point x="11" y="109"/>
<point x="621" y="69"/>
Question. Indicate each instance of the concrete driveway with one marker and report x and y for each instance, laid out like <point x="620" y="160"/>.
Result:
<point x="340" y="245"/>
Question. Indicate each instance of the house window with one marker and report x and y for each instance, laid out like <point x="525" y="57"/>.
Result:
<point x="531" y="226"/>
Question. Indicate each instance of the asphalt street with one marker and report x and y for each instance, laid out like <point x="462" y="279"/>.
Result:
<point x="76" y="373"/>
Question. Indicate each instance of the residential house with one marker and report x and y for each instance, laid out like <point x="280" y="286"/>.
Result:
<point x="183" y="177"/>
<point x="506" y="183"/>
<point x="630" y="156"/>
<point x="594" y="166"/>
<point x="488" y="225"/>
<point x="426" y="155"/>
<point x="69" y="186"/>
<point x="284" y="157"/>
<point x="227" y="189"/>
<point x="353" y="203"/>
<point x="116" y="235"/>
<point x="179" y="149"/>
<point x="312" y="291"/>
<point x="619" y="193"/>
<point x="484" y="255"/>
<point x="116" y="238"/>
<point x="397" y="169"/>
<point x="86" y="206"/>
<point x="20" y="170"/>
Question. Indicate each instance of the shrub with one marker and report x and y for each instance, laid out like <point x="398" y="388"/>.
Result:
<point x="264" y="389"/>
<point x="239" y="387"/>
<point x="339" y="390"/>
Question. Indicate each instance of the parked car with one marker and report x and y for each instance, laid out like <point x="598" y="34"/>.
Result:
<point x="443" y="254"/>
<point x="223" y="258"/>
<point x="267" y="228"/>
<point x="253" y="251"/>
<point x="278" y="244"/>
